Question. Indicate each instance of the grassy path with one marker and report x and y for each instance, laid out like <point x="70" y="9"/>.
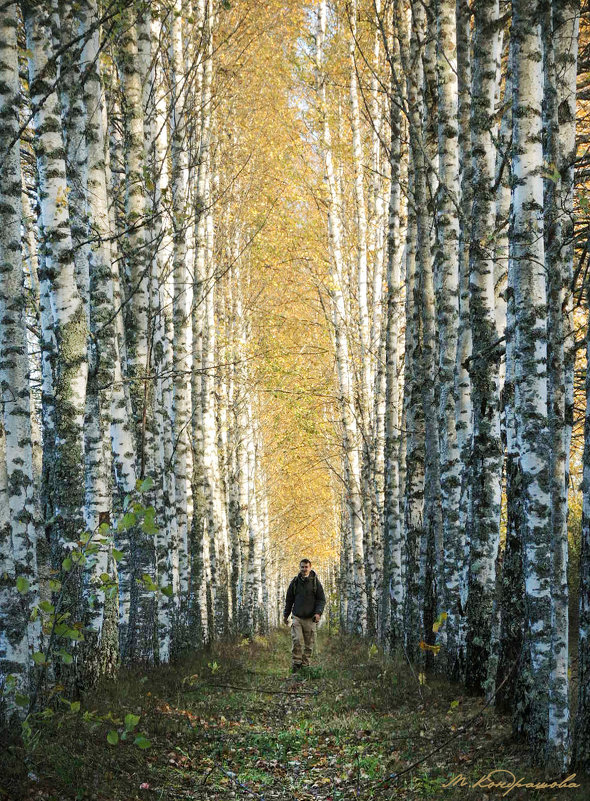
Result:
<point x="334" y="734"/>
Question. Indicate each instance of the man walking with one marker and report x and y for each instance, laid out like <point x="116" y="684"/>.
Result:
<point x="305" y="602"/>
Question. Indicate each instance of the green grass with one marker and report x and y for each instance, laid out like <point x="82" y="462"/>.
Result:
<point x="363" y="717"/>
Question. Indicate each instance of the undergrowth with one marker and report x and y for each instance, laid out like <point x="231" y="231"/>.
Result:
<point x="231" y="722"/>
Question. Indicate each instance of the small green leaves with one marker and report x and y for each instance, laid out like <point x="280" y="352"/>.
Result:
<point x="54" y="585"/>
<point x="66" y="657"/>
<point x="213" y="667"/>
<point x="131" y="721"/>
<point x="10" y="683"/>
<point x="39" y="658"/>
<point x="167" y="591"/>
<point x="127" y="522"/>
<point x="149" y="583"/>
<point x="46" y="607"/>
<point x="117" y="555"/>
<point x="67" y="564"/>
<point x="21" y="700"/>
<point x="145" y="485"/>
<point x="141" y="741"/>
<point x="78" y="558"/>
<point x="112" y="737"/>
<point x="454" y="704"/>
<point x="75" y="706"/>
<point x="22" y="584"/>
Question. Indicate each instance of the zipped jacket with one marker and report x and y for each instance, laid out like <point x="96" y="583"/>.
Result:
<point x="305" y="596"/>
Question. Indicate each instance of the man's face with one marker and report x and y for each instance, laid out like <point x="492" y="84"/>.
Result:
<point x="305" y="567"/>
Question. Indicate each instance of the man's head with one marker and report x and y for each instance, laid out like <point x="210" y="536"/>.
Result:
<point x="305" y="567"/>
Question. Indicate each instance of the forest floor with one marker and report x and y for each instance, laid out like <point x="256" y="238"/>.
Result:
<point x="231" y="722"/>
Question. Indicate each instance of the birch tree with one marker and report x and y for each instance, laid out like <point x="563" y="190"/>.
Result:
<point x="486" y="457"/>
<point x="532" y="481"/>
<point x="20" y="526"/>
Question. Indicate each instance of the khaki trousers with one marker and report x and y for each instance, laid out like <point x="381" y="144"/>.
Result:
<point x="303" y="631"/>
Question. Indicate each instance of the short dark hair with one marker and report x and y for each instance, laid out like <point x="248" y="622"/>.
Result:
<point x="307" y="561"/>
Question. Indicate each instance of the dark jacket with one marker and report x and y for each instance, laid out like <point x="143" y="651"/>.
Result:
<point x="305" y="596"/>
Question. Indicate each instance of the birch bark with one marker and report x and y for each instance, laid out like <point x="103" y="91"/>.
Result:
<point x="19" y="523"/>
<point x="486" y="457"/>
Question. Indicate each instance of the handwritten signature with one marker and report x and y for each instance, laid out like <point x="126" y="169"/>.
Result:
<point x="500" y="779"/>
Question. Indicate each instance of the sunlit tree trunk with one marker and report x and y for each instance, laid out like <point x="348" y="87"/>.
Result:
<point x="533" y="478"/>
<point x="103" y="649"/>
<point x="19" y="523"/>
<point x="183" y="267"/>
<point x="141" y="633"/>
<point x="65" y="472"/>
<point x="339" y="318"/>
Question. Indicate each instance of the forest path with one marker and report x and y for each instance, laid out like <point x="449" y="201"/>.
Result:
<point x="231" y="722"/>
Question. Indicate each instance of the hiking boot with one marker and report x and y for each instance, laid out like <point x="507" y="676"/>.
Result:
<point x="295" y="668"/>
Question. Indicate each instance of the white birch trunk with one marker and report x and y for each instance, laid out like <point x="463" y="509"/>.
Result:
<point x="19" y="523"/>
<point x="530" y="370"/>
<point x="486" y="455"/>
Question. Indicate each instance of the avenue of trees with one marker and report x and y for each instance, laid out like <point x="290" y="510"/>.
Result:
<point x="296" y="279"/>
<point x="457" y="295"/>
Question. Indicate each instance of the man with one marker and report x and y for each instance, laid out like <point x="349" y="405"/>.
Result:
<point x="306" y="601"/>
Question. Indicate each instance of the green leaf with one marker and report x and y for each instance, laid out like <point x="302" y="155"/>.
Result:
<point x="78" y="558"/>
<point x="131" y="721"/>
<point x="66" y="658"/>
<point x="112" y="737"/>
<point x="167" y="591"/>
<point x="67" y="563"/>
<point x="141" y="741"/>
<point x="149" y="526"/>
<point x="73" y="634"/>
<point x="117" y="555"/>
<point x="54" y="585"/>
<point x="454" y="704"/>
<point x="127" y="522"/>
<point x="39" y="658"/>
<point x="10" y="683"/>
<point x="21" y="700"/>
<point x="75" y="706"/>
<point x="47" y="607"/>
<point x="22" y="584"/>
<point x="146" y="484"/>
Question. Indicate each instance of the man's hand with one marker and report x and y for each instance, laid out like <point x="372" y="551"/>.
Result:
<point x="316" y="618"/>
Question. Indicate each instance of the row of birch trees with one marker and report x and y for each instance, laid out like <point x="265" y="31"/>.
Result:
<point x="132" y="486"/>
<point x="446" y="133"/>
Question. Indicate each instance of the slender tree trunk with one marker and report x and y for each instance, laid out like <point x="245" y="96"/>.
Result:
<point x="65" y="471"/>
<point x="533" y="479"/>
<point x="486" y="458"/>
<point x="19" y="523"/>
<point x="447" y="284"/>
